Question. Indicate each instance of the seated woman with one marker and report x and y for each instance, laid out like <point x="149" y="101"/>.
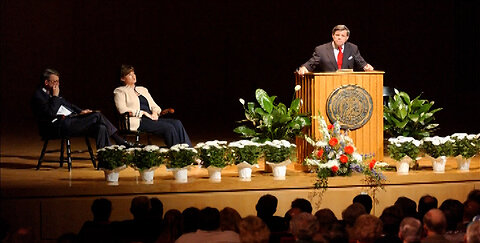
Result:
<point x="144" y="112"/>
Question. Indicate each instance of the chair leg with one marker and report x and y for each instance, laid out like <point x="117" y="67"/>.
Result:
<point x="69" y="154"/>
<point x="90" y="151"/>
<point x="62" y="149"/>
<point x="42" y="154"/>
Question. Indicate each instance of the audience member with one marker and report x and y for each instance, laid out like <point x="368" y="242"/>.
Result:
<point x="304" y="226"/>
<point x="253" y="230"/>
<point x="350" y="214"/>
<point x="365" y="200"/>
<point x="98" y="230"/>
<point x="391" y="218"/>
<point x="474" y="195"/>
<point x="367" y="229"/>
<point x="434" y="224"/>
<point x="426" y="203"/>
<point x="326" y="218"/>
<point x="453" y="211"/>
<point x="337" y="234"/>
<point x="410" y="230"/>
<point x="473" y="233"/>
<point x="408" y="206"/>
<point x="156" y="215"/>
<point x="229" y="219"/>
<point x="303" y="204"/>
<point x="171" y="227"/>
<point x="139" y="228"/>
<point x="209" y="229"/>
<point x="470" y="210"/>
<point x="191" y="218"/>
<point x="266" y="207"/>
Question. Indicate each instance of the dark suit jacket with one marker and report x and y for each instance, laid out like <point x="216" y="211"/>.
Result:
<point x="323" y="59"/>
<point x="45" y="109"/>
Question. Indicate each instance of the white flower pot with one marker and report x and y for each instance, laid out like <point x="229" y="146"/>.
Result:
<point x="438" y="164"/>
<point x="279" y="169"/>
<point x="463" y="164"/>
<point x="147" y="175"/>
<point x="215" y="174"/>
<point x="181" y="175"/>
<point x="111" y="176"/>
<point x="245" y="171"/>
<point x="403" y="166"/>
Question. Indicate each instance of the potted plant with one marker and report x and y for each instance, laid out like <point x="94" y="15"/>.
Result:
<point x="404" y="150"/>
<point x="268" y="121"/>
<point x="214" y="156"/>
<point x="245" y="155"/>
<point x="465" y="146"/>
<point x="112" y="159"/>
<point x="438" y="148"/>
<point x="146" y="160"/>
<point x="277" y="155"/>
<point x="179" y="157"/>
<point x="335" y="154"/>
<point x="409" y="118"/>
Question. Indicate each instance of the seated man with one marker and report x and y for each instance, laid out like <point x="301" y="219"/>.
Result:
<point x="57" y="117"/>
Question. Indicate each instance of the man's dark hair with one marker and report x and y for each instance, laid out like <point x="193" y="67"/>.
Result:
<point x="365" y="200"/>
<point x="140" y="207"/>
<point x="47" y="72"/>
<point x="209" y="219"/>
<point x="340" y="27"/>
<point x="391" y="218"/>
<point x="266" y="205"/>
<point x="426" y="203"/>
<point x="156" y="209"/>
<point x="453" y="210"/>
<point x="303" y="204"/>
<point x="101" y="209"/>
<point x="408" y="206"/>
<point x="191" y="218"/>
<point x="352" y="212"/>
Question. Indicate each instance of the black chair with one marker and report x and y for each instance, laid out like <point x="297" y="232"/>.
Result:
<point x="64" y="141"/>
<point x="125" y="131"/>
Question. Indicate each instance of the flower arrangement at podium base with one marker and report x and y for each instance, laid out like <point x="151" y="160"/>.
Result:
<point x="112" y="160"/>
<point x="214" y="156"/>
<point x="245" y="155"/>
<point x="438" y="149"/>
<point x="465" y="147"/>
<point x="278" y="154"/>
<point x="335" y="155"/>
<point x="404" y="150"/>
<point x="179" y="157"/>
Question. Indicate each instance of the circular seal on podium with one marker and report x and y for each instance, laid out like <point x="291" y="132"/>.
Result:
<point x="350" y="105"/>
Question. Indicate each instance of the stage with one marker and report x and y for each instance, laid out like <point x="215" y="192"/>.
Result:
<point x="53" y="201"/>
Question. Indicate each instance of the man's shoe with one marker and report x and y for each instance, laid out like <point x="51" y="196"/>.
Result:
<point x="128" y="144"/>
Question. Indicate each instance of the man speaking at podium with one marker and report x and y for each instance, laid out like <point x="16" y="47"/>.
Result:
<point x="336" y="55"/>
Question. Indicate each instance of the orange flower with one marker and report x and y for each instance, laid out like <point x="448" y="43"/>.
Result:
<point x="330" y="127"/>
<point x="343" y="158"/>
<point x="349" y="149"/>
<point x="333" y="141"/>
<point x="320" y="153"/>
<point x="334" y="169"/>
<point x="372" y="164"/>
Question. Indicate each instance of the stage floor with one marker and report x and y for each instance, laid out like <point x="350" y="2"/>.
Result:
<point x="53" y="201"/>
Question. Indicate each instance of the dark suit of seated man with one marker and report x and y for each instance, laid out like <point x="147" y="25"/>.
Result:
<point x="57" y="117"/>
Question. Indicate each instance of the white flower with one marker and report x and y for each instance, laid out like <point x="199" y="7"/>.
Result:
<point x="321" y="144"/>
<point x="356" y="156"/>
<point x="380" y="165"/>
<point x="242" y="101"/>
<point x="298" y="87"/>
<point x="459" y="135"/>
<point x="163" y="150"/>
<point x="151" y="148"/>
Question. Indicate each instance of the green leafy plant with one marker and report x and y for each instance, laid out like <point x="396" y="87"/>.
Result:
<point x="214" y="153"/>
<point x="145" y="158"/>
<point x="400" y="147"/>
<point x="180" y="155"/>
<point x="465" y="145"/>
<point x="268" y="121"/>
<point x="409" y="118"/>
<point x="277" y="151"/>
<point x="111" y="157"/>
<point x="245" y="150"/>
<point x="437" y="146"/>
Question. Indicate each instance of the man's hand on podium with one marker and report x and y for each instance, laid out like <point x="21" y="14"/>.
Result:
<point x="368" y="67"/>
<point x="302" y="70"/>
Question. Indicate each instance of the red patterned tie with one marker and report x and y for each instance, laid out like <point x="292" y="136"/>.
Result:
<point x="340" y="57"/>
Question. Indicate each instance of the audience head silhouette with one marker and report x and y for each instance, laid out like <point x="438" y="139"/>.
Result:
<point x="266" y="205"/>
<point x="365" y="200"/>
<point x="101" y="209"/>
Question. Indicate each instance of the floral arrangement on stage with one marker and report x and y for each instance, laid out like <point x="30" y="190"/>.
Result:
<point x="181" y="155"/>
<point x="278" y="151"/>
<point x="214" y="153"/>
<point x="245" y="151"/>
<point x="111" y="157"/>
<point x="437" y="146"/>
<point x="335" y="154"/>
<point x="145" y="158"/>
<point x="267" y="121"/>
<point x="465" y="145"/>
<point x="400" y="147"/>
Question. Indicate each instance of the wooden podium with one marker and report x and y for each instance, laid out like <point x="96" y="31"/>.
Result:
<point x="317" y="87"/>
